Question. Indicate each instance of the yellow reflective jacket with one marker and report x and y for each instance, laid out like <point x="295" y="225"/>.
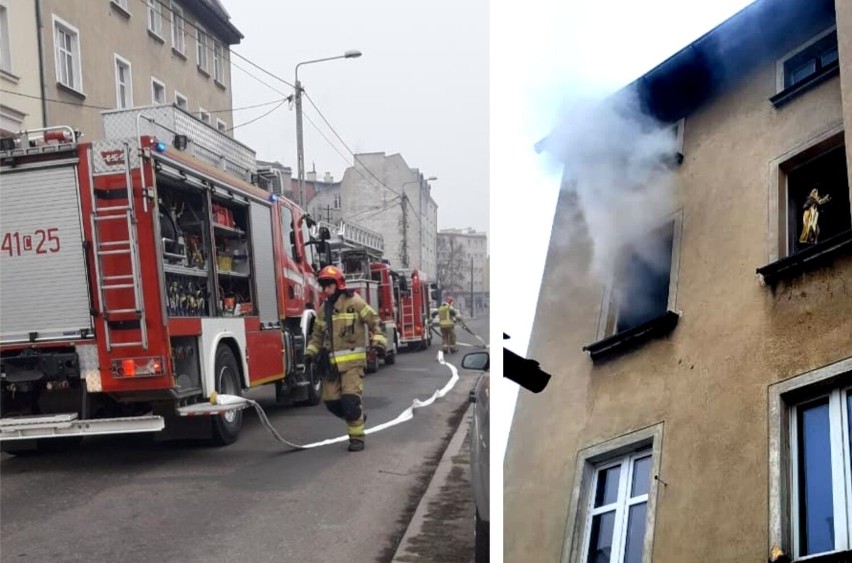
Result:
<point x="352" y="322"/>
<point x="447" y="316"/>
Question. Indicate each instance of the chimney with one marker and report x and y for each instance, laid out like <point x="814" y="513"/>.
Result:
<point x="328" y="178"/>
<point x="311" y="176"/>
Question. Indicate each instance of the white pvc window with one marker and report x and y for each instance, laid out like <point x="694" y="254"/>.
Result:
<point x="618" y="510"/>
<point x="158" y="91"/>
<point x="123" y="84"/>
<point x="155" y="20"/>
<point x="67" y="53"/>
<point x="218" y="69"/>
<point x="204" y="115"/>
<point x="178" y="28"/>
<point x="181" y="101"/>
<point x="221" y="126"/>
<point x="201" y="47"/>
<point x="821" y="480"/>
<point x="5" y="44"/>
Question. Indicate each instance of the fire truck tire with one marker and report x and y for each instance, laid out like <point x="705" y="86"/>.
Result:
<point x="226" y="427"/>
<point x="315" y="387"/>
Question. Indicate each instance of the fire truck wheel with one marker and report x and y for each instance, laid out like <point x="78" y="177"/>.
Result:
<point x="315" y="387"/>
<point x="226" y="427"/>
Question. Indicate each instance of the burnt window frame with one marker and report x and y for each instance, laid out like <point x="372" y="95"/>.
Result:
<point x="609" y="341"/>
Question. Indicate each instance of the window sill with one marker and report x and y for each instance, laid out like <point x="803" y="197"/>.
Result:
<point x="119" y="8"/>
<point x="14" y="79"/>
<point x="71" y="90"/>
<point x="627" y="339"/>
<point x="156" y="37"/>
<point x="220" y="85"/>
<point x="794" y="91"/>
<point x="178" y="54"/>
<point x="202" y="71"/>
<point x="833" y="557"/>
<point x="794" y="265"/>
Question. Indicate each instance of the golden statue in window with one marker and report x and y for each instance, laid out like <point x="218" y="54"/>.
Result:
<point x="810" y="218"/>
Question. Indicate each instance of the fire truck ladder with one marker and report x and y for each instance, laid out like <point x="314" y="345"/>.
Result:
<point x="129" y="249"/>
<point x="407" y="308"/>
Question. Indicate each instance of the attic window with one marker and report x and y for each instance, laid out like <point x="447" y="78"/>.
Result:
<point x="807" y="66"/>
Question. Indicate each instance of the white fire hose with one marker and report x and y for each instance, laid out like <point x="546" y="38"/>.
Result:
<point x="407" y="414"/>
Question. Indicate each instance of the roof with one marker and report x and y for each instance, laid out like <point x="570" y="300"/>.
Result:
<point x="216" y="19"/>
<point x="727" y="53"/>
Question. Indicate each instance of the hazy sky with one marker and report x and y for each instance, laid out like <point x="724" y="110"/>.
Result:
<point x="420" y="89"/>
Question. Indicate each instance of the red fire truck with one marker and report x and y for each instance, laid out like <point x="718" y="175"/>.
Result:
<point x="138" y="277"/>
<point x="413" y="297"/>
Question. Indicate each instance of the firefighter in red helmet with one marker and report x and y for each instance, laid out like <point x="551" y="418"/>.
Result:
<point x="447" y="318"/>
<point x="342" y="328"/>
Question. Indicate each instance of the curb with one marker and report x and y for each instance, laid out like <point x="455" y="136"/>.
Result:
<point x="433" y="491"/>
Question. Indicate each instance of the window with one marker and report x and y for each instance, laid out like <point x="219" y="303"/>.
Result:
<point x="817" y="56"/>
<point x="808" y="223"/>
<point x="336" y="201"/>
<point x="5" y="44"/>
<point x="155" y="19"/>
<point x="181" y="101"/>
<point x="612" y="506"/>
<point x="810" y="476"/>
<point x="221" y="126"/>
<point x="121" y="4"/>
<point x="178" y="28"/>
<point x="67" y="52"/>
<point x="123" y="84"/>
<point x="218" y="72"/>
<point x="287" y="230"/>
<point x="201" y="47"/>
<point x="158" y="92"/>
<point x="204" y="115"/>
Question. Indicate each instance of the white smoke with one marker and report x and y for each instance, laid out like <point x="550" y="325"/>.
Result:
<point x="618" y="162"/>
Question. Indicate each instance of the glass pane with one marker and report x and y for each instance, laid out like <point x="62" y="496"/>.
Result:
<point x="607" y="489"/>
<point x="816" y="509"/>
<point x="600" y="541"/>
<point x="635" y="533"/>
<point x="801" y="72"/>
<point x="641" y="477"/>
<point x="828" y="57"/>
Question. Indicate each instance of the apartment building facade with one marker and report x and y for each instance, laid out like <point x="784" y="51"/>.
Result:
<point x="710" y="422"/>
<point x="20" y="102"/>
<point x="116" y="54"/>
<point x="462" y="268"/>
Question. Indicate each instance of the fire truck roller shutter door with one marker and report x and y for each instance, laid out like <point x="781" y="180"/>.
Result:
<point x="263" y="260"/>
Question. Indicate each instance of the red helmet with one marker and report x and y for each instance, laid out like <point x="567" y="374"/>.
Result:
<point x="332" y="273"/>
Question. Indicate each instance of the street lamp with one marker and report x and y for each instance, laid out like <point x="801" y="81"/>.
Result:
<point x="300" y="152"/>
<point x="403" y="256"/>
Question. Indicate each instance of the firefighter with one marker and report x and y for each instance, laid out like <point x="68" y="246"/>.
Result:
<point x="341" y="330"/>
<point x="447" y="318"/>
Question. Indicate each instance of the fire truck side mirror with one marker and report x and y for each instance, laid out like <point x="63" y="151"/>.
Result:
<point x="324" y="251"/>
<point x="324" y="233"/>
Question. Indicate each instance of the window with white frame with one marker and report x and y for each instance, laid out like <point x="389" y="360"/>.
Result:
<point x="155" y="19"/>
<point x="218" y="69"/>
<point x="123" y="84"/>
<point x="204" y="115"/>
<point x="181" y="101"/>
<point x="5" y="44"/>
<point x="201" y="47"/>
<point x="178" y="28"/>
<point x="66" y="40"/>
<point x="121" y="4"/>
<point x="221" y="126"/>
<point x="158" y="92"/>
<point x="611" y="516"/>
<point x="810" y="476"/>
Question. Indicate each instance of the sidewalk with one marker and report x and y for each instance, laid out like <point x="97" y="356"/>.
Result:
<point x="442" y="526"/>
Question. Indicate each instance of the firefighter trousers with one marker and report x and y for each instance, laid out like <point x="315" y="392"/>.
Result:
<point x="343" y="398"/>
<point x="448" y="339"/>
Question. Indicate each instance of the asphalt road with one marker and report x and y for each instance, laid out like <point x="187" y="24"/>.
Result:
<point x="128" y="499"/>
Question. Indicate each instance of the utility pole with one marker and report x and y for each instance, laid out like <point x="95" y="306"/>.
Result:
<point x="471" y="287"/>
<point x="300" y="150"/>
<point x="403" y="252"/>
